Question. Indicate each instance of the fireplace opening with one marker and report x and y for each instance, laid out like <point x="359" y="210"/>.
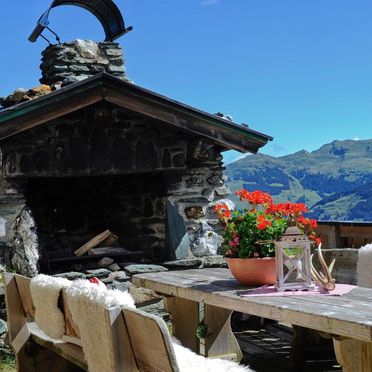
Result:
<point x="69" y="211"/>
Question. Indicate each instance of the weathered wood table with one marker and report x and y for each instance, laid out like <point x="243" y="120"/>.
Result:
<point x="347" y="319"/>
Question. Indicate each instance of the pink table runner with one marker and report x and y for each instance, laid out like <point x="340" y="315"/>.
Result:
<point x="269" y="290"/>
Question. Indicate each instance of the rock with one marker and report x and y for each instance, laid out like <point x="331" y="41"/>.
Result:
<point x="87" y="48"/>
<point x="114" y="52"/>
<point x="3" y="328"/>
<point x="143" y="296"/>
<point x="36" y="92"/>
<point x="15" y="97"/>
<point x="25" y="245"/>
<point x="76" y="267"/>
<point x="104" y="262"/>
<point x="141" y="269"/>
<point x="186" y="263"/>
<point x="73" y="79"/>
<point x="206" y="241"/>
<point x="223" y="191"/>
<point x="215" y="180"/>
<point x="114" y="267"/>
<point x="121" y="286"/>
<point x="214" y="261"/>
<point x="98" y="273"/>
<point x="194" y="212"/>
<point x="108" y="280"/>
<point x="157" y="309"/>
<point x="119" y="276"/>
<point x="2" y="296"/>
<point x="71" y="275"/>
<point x="194" y="181"/>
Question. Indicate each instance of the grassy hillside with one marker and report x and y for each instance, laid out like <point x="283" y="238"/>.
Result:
<point x="334" y="180"/>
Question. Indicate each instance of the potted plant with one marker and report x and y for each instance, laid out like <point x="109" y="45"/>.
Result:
<point x="249" y="235"/>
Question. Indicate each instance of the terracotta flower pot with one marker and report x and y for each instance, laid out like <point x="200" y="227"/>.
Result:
<point x="253" y="271"/>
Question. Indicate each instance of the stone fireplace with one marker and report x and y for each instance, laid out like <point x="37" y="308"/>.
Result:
<point x="101" y="153"/>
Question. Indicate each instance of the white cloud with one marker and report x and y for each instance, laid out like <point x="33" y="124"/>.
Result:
<point x="209" y="2"/>
<point x="232" y="156"/>
<point x="356" y="139"/>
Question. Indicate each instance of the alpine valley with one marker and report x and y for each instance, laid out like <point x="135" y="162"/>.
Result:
<point x="335" y="181"/>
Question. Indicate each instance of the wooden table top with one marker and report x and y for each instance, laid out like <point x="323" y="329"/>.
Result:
<point x="349" y="315"/>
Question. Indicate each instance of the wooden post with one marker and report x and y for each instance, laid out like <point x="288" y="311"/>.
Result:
<point x="220" y="341"/>
<point x="353" y="355"/>
<point x="185" y="320"/>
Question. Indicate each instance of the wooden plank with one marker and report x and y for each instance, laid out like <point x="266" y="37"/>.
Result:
<point x="92" y="243"/>
<point x="14" y="310"/>
<point x="220" y="339"/>
<point x="337" y="315"/>
<point x="70" y="352"/>
<point x="151" y="342"/>
<point x="185" y="319"/>
<point x="353" y="355"/>
<point x="111" y="251"/>
<point x="72" y="329"/>
<point x="124" y="360"/>
<point x="23" y="285"/>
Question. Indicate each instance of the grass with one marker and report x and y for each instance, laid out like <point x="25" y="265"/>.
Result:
<point x="5" y="367"/>
<point x="7" y="361"/>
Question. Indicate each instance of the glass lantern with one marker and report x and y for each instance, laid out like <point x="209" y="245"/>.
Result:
<point x="293" y="261"/>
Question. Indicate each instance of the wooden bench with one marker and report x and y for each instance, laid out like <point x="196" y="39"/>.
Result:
<point x="140" y="342"/>
<point x="34" y="351"/>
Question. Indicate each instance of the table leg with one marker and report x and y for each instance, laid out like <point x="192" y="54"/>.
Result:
<point x="220" y="340"/>
<point x="353" y="355"/>
<point x="185" y="320"/>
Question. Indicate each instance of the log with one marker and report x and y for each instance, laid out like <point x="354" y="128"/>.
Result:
<point x="111" y="241"/>
<point x="92" y="243"/>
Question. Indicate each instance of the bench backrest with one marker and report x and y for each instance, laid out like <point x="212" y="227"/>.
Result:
<point x="151" y="342"/>
<point x="19" y="305"/>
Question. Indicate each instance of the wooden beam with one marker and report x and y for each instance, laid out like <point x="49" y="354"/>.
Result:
<point x="48" y="108"/>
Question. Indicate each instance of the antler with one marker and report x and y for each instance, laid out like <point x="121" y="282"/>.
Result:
<point x="324" y="278"/>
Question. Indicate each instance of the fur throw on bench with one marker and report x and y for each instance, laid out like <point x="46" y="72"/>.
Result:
<point x="189" y="361"/>
<point x="45" y="291"/>
<point x="364" y="266"/>
<point x="87" y="303"/>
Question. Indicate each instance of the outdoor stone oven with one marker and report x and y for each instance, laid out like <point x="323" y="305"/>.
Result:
<point x="102" y="153"/>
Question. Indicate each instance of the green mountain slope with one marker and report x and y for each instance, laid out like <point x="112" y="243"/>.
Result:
<point x="332" y="180"/>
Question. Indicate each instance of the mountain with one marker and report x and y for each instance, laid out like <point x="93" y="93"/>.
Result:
<point x="335" y="181"/>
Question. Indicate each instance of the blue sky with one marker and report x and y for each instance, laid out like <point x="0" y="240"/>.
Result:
<point x="300" y="71"/>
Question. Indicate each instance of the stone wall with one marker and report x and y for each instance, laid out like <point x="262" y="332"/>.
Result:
<point x="11" y="204"/>
<point x="99" y="141"/>
<point x="192" y="195"/>
<point x="67" y="63"/>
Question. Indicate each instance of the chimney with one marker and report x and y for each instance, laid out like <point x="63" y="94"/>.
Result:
<point x="67" y="63"/>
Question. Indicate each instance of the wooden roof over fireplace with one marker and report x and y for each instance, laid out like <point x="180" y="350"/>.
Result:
<point x="105" y="87"/>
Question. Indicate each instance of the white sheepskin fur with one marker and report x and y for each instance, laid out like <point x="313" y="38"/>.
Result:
<point x="364" y="266"/>
<point x="87" y="303"/>
<point x="45" y="291"/>
<point x="188" y="361"/>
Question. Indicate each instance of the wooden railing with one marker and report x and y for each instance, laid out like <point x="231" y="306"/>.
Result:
<point x="339" y="234"/>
